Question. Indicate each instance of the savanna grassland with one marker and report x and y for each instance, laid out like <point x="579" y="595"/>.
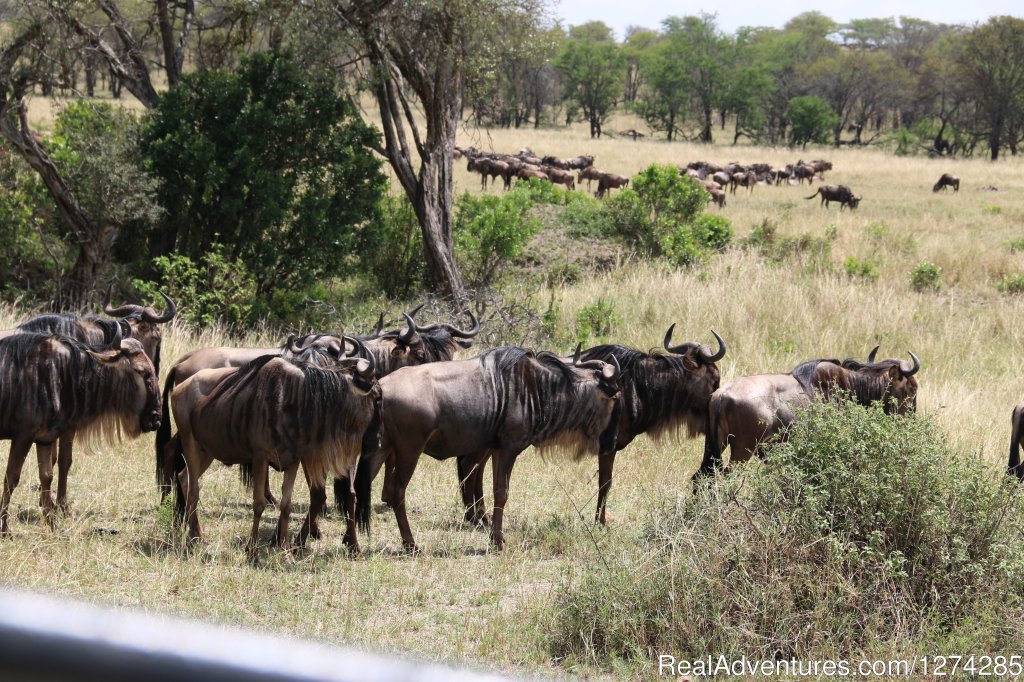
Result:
<point x="458" y="602"/>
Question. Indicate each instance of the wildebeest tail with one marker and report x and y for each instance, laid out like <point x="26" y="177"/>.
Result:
<point x="342" y="490"/>
<point x="179" y="492"/>
<point x="814" y="195"/>
<point x="163" y="434"/>
<point x="1014" y="468"/>
<point x="364" y="472"/>
<point x="245" y="474"/>
<point x="712" y="448"/>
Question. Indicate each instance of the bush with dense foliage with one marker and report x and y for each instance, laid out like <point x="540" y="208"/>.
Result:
<point x="864" y="533"/>
<point x="269" y="161"/>
<point x="662" y="214"/>
<point x="491" y="230"/>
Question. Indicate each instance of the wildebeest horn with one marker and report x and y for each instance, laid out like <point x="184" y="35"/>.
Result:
<point x="378" y="329"/>
<point x="406" y="337"/>
<point x="668" y="341"/>
<point x="871" y="355"/>
<point x="708" y="357"/>
<point x="910" y="371"/>
<point x="472" y="331"/>
<point x="357" y="346"/>
<point x="618" y="369"/>
<point x="292" y="346"/>
<point x="119" y="311"/>
<point x="412" y="313"/>
<point x="576" y="354"/>
<point x="149" y="315"/>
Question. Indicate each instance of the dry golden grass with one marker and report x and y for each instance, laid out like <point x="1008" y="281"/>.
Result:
<point x="459" y="602"/>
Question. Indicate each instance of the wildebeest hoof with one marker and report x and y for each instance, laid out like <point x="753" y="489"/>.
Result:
<point x="410" y="548"/>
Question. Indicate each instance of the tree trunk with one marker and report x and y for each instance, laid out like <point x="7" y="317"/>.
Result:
<point x="706" y="135"/>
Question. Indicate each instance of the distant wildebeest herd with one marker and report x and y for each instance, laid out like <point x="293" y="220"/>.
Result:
<point x="716" y="179"/>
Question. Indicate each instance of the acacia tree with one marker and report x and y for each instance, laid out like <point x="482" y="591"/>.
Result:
<point x="594" y="68"/>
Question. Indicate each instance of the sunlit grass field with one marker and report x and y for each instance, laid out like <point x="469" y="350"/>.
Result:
<point x="457" y="601"/>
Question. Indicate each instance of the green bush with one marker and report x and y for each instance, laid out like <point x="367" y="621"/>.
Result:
<point x="863" y="534"/>
<point x="811" y="119"/>
<point x="391" y="249"/>
<point x="597" y="320"/>
<point x="866" y="270"/>
<point x="216" y="289"/>
<point x="926" y="277"/>
<point x="1017" y="244"/>
<point x="1011" y="284"/>
<point x="489" y="231"/>
<point x="544" y="192"/>
<point x="584" y="216"/>
<point x="815" y="251"/>
<point x="661" y="214"/>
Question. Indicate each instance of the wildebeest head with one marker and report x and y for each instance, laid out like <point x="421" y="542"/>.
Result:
<point x="142" y="412"/>
<point x="607" y="374"/>
<point x="416" y="344"/>
<point x="143" y="323"/>
<point x="891" y="381"/>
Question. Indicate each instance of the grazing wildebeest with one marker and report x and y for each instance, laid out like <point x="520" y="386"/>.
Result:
<point x="609" y="181"/>
<point x="50" y="385"/>
<point x="138" y="322"/>
<point x="273" y="412"/>
<point x="802" y="172"/>
<point x="717" y="197"/>
<point x="840" y="193"/>
<point x="748" y="410"/>
<point x="497" y="404"/>
<point x="1015" y="468"/>
<point x="561" y="177"/>
<point x="580" y="162"/>
<point x="945" y="181"/>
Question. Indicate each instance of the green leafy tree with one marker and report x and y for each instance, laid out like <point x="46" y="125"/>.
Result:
<point x="812" y="120"/>
<point x="593" y="67"/>
<point x="992" y="60"/>
<point x="269" y="162"/>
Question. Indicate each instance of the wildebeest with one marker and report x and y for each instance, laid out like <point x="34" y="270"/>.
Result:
<point x="561" y="177"/>
<point x="750" y="409"/>
<point x="609" y="181"/>
<point x="717" y="196"/>
<point x="947" y="180"/>
<point x="50" y="385"/>
<point x="589" y="174"/>
<point x="840" y="193"/>
<point x="803" y="172"/>
<point x="660" y="394"/>
<point x="134" y="321"/>
<point x="497" y="404"/>
<point x="274" y="411"/>
<point x="1014" y="467"/>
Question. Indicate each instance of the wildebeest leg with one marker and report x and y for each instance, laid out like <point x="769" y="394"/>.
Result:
<point x="405" y="465"/>
<point x="605" y="464"/>
<point x="471" y="485"/>
<point x="64" y="457"/>
<point x="501" y="467"/>
<point x="259" y="503"/>
<point x="15" y="460"/>
<point x="44" y="453"/>
<point x="283" y="541"/>
<point x="317" y="502"/>
<point x="387" y="491"/>
<point x="195" y="464"/>
<point x="351" y="539"/>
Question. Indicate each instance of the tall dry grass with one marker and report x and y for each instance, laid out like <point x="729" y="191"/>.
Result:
<point x="457" y="601"/>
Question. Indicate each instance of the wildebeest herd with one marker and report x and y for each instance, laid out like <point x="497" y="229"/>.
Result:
<point x="716" y="179"/>
<point x="345" y="406"/>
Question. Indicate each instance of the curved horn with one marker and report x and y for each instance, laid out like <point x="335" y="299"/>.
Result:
<point x="292" y="346"/>
<point x="412" y="313"/>
<point x="678" y="350"/>
<point x="405" y="338"/>
<point x="708" y="357"/>
<point x="576" y="354"/>
<point x="149" y="315"/>
<point x="358" y="347"/>
<point x="909" y="372"/>
<point x="871" y="355"/>
<point x="618" y="367"/>
<point x="120" y="311"/>
<point x="472" y="331"/>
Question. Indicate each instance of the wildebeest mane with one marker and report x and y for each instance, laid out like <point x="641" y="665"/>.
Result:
<point x="70" y="389"/>
<point x="548" y="389"/>
<point x="313" y="415"/>
<point x="804" y="374"/>
<point x="110" y="331"/>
